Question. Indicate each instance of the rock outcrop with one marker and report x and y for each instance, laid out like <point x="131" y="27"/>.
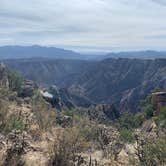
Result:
<point x="58" y="98"/>
<point x="28" y="88"/>
<point x="159" y="101"/>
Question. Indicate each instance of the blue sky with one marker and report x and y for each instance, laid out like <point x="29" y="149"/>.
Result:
<point x="85" y="25"/>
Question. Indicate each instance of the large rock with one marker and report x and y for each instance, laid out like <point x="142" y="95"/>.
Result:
<point x="64" y="121"/>
<point x="58" y="98"/>
<point x="28" y="89"/>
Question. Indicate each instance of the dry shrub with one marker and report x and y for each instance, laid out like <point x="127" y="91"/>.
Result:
<point x="66" y="147"/>
<point x="152" y="152"/>
<point x="3" y="114"/>
<point x="10" y="121"/>
<point x="45" y="119"/>
<point x="44" y="115"/>
<point x="87" y="128"/>
<point x="35" y="132"/>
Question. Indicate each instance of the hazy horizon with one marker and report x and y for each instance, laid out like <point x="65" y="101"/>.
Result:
<point x="85" y="26"/>
<point x="81" y="50"/>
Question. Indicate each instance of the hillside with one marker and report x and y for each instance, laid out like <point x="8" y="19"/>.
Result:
<point x="120" y="81"/>
<point x="32" y="132"/>
<point x="48" y="72"/>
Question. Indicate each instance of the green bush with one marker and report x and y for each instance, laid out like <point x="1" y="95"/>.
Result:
<point x="147" y="106"/>
<point x="126" y="135"/>
<point x="130" y="121"/>
<point x="149" y="111"/>
<point x="70" y="112"/>
<point x="4" y="92"/>
<point x="14" y="123"/>
<point x="9" y="122"/>
<point x="15" y="81"/>
<point x="139" y="118"/>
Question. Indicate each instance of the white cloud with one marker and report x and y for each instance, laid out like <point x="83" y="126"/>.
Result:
<point x="122" y="24"/>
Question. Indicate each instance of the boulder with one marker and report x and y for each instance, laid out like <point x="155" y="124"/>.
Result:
<point x="28" y="89"/>
<point x="64" y="121"/>
<point x="58" y="98"/>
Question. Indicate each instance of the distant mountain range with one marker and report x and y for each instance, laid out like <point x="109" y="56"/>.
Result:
<point x="17" y="52"/>
<point x="138" y="54"/>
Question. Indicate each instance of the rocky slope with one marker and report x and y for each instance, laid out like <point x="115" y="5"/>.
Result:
<point x="32" y="132"/>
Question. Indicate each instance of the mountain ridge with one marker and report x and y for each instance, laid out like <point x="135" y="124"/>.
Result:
<point x="37" y="51"/>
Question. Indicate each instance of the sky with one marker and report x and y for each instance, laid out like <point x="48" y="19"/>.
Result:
<point x="85" y="25"/>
